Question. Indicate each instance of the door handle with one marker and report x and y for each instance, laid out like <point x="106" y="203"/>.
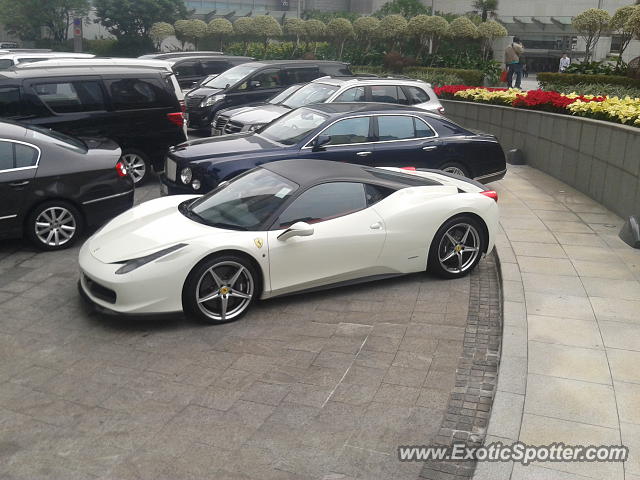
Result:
<point x="429" y="148"/>
<point x="19" y="184"/>
<point x="363" y="154"/>
<point x="375" y="226"/>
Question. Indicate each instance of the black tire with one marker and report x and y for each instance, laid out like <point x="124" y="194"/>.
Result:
<point x="138" y="165"/>
<point x="455" y="168"/>
<point x="456" y="227"/>
<point x="49" y="224"/>
<point x="200" y="283"/>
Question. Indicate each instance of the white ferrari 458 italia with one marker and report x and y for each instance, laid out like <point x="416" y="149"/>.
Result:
<point x="284" y="227"/>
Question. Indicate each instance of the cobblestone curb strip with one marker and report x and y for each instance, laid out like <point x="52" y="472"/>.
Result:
<point x="470" y="402"/>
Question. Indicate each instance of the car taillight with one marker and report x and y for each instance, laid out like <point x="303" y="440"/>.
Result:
<point x="409" y="168"/>
<point x="441" y="110"/>
<point x="176" y="118"/>
<point x="121" y="169"/>
<point x="491" y="194"/>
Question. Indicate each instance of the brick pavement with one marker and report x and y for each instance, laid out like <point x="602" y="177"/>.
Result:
<point x="317" y="386"/>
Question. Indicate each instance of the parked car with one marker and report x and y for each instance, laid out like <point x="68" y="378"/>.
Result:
<point x="328" y="90"/>
<point x="134" y="106"/>
<point x="286" y="227"/>
<point x="52" y="186"/>
<point x="9" y="60"/>
<point x="373" y="134"/>
<point x="167" y="55"/>
<point x="8" y="45"/>
<point x="192" y="70"/>
<point x="252" y="82"/>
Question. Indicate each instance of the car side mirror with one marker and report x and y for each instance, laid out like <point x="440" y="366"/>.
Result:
<point x="320" y="142"/>
<point x="298" y="229"/>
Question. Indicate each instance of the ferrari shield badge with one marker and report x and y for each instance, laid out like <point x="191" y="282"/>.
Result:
<point x="258" y="242"/>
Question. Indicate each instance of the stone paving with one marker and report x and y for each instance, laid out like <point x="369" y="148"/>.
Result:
<point x="320" y="386"/>
<point x="570" y="360"/>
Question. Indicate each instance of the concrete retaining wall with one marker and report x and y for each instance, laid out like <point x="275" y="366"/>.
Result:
<point x="600" y="159"/>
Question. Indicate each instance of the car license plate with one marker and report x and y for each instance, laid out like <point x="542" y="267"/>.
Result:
<point x="216" y="132"/>
<point x="164" y="190"/>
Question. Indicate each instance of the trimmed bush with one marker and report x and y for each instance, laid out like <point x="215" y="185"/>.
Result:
<point x="576" y="79"/>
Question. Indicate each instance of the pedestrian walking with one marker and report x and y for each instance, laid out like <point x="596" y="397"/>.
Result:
<point x="565" y="61"/>
<point x="512" y="61"/>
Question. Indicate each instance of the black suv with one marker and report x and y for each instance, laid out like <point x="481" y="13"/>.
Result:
<point x="191" y="70"/>
<point x="135" y="106"/>
<point x="253" y="82"/>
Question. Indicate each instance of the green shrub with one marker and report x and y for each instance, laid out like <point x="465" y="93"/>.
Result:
<point x="577" y="79"/>
<point x="435" y="76"/>
<point x="468" y="77"/>
<point x="597" y="68"/>
<point x="595" y="89"/>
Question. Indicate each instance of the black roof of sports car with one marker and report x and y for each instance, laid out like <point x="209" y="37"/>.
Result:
<point x="308" y="172"/>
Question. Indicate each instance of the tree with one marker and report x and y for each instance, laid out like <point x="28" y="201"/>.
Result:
<point x="190" y="31"/>
<point x="366" y="30"/>
<point x="243" y="28"/>
<point x="590" y="24"/>
<point x="124" y="18"/>
<point x="219" y="28"/>
<point x="488" y="32"/>
<point x="427" y="30"/>
<point x="265" y="28"/>
<point x="633" y="24"/>
<point x="159" y="31"/>
<point x="295" y="28"/>
<point x="406" y="8"/>
<point x="392" y="28"/>
<point x="25" y="17"/>
<point x="485" y="8"/>
<point x="619" y="24"/>
<point x="315" y="31"/>
<point x="340" y="30"/>
<point x="463" y="28"/>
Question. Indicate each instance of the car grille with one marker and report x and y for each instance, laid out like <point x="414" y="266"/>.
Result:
<point x="220" y="122"/>
<point x="170" y="168"/>
<point x="100" y="291"/>
<point x="193" y="101"/>
<point x="233" y="127"/>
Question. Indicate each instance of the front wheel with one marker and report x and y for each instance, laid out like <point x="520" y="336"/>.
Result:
<point x="220" y="289"/>
<point x="457" y="247"/>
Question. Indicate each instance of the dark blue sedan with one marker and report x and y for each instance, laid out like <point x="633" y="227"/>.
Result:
<point x="379" y="135"/>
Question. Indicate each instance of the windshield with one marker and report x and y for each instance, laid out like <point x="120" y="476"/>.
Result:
<point x="58" y="138"/>
<point x="293" y="127"/>
<point x="311" y="93"/>
<point x="245" y="203"/>
<point x="231" y="76"/>
<point x="283" y="95"/>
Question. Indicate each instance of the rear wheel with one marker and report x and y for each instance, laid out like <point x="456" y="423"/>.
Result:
<point x="54" y="225"/>
<point x="221" y="289"/>
<point x="457" y="247"/>
<point x="455" y="168"/>
<point x="137" y="165"/>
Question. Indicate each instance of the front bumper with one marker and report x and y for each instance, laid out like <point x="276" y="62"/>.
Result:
<point x="200" y="118"/>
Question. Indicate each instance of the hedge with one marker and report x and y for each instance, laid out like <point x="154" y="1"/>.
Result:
<point x="579" y="78"/>
<point x="468" y="77"/>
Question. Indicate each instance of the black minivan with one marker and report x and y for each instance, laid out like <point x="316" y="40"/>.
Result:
<point x="136" y="107"/>
<point x="253" y="82"/>
<point x="191" y="70"/>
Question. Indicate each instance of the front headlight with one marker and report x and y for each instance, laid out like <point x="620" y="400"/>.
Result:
<point x="186" y="175"/>
<point x="131" y="265"/>
<point x="213" y="99"/>
<point x="251" y="128"/>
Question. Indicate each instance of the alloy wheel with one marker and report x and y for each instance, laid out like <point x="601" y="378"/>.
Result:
<point x="224" y="291"/>
<point x="55" y="226"/>
<point x="459" y="248"/>
<point x="136" y="166"/>
<point x="454" y="171"/>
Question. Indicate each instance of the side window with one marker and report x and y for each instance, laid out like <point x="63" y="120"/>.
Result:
<point x="355" y="94"/>
<point x="395" y="127"/>
<point x="71" y="97"/>
<point x="212" y="67"/>
<point x="422" y="129"/>
<point x="375" y="193"/>
<point x="267" y="79"/>
<point x="350" y="130"/>
<point x="186" y="69"/>
<point x="417" y="95"/>
<point x="132" y="93"/>
<point x="17" y="155"/>
<point x="10" y="101"/>
<point x="384" y="93"/>
<point x="302" y="75"/>
<point x="6" y="64"/>
<point x="324" y="202"/>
